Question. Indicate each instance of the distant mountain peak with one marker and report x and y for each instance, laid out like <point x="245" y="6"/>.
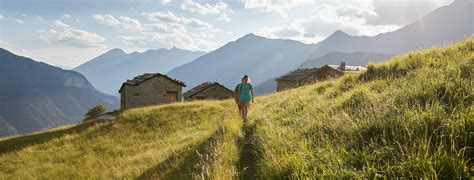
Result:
<point x="339" y="33"/>
<point x="115" y="51"/>
<point x="163" y="50"/>
<point x="250" y="36"/>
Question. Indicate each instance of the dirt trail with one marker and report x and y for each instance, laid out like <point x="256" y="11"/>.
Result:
<point x="247" y="153"/>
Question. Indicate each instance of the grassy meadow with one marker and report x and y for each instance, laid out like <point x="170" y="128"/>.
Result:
<point x="140" y="142"/>
<point x="410" y="117"/>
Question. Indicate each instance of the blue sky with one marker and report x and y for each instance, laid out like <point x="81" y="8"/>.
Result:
<point x="70" y="32"/>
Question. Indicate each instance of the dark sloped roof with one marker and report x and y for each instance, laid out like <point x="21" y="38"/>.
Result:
<point x="202" y="87"/>
<point x="142" y="78"/>
<point x="298" y="74"/>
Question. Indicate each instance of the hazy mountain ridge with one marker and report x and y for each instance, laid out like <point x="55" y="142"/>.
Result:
<point x="36" y="96"/>
<point x="447" y="24"/>
<point x="426" y="32"/>
<point x="264" y="58"/>
<point x="259" y="57"/>
<point x="109" y="70"/>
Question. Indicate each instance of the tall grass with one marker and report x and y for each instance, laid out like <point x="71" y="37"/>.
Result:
<point x="411" y="117"/>
<point x="139" y="140"/>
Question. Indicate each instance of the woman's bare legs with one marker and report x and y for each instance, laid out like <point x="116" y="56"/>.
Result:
<point x="240" y="111"/>
<point x="244" y="113"/>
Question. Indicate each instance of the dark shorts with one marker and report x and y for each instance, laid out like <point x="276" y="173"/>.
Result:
<point x="244" y="104"/>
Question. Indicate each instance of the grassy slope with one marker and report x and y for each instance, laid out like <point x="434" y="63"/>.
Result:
<point x="137" y="144"/>
<point x="413" y="116"/>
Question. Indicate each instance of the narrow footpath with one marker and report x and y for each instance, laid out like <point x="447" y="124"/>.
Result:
<point x="247" y="153"/>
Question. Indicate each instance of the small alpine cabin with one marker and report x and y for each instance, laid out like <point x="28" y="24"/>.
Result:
<point x="208" y="91"/>
<point x="304" y="76"/>
<point x="150" y="89"/>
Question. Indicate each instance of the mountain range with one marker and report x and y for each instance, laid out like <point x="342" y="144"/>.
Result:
<point x="265" y="59"/>
<point x="36" y="96"/>
<point x="447" y="24"/>
<point x="256" y="56"/>
<point x="109" y="70"/>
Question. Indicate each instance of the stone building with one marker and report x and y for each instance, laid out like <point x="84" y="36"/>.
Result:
<point x="208" y="90"/>
<point x="150" y="89"/>
<point x="306" y="76"/>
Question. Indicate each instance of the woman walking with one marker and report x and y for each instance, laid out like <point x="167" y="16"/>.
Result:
<point x="243" y="93"/>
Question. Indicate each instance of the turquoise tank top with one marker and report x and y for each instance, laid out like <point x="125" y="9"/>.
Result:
<point x="245" y="93"/>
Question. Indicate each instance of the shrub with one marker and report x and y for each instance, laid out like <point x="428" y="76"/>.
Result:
<point x="94" y="112"/>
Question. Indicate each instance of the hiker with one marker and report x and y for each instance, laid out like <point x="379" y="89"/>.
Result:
<point x="243" y="93"/>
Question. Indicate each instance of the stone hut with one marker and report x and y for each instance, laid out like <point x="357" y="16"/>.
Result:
<point x="306" y="76"/>
<point x="208" y="90"/>
<point x="150" y="89"/>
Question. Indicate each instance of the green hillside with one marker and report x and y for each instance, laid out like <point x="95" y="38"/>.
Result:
<point x="412" y="116"/>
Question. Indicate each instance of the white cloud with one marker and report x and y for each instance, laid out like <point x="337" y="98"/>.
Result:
<point x="2" y="17"/>
<point x="55" y="55"/>
<point x="19" y="21"/>
<point x="164" y="1"/>
<point x="134" y="25"/>
<point x="346" y="17"/>
<point x="130" y="24"/>
<point x="170" y="17"/>
<point x="72" y="37"/>
<point x="69" y="56"/>
<point x="66" y="16"/>
<point x="293" y="32"/>
<point x="133" y="40"/>
<point x="180" y="40"/>
<point x="402" y="12"/>
<point x="220" y="8"/>
<point x="106" y="19"/>
<point x="164" y="28"/>
<point x="325" y="20"/>
<point x="60" y="23"/>
<point x="279" y="6"/>
<point x="167" y="29"/>
<point x="38" y="18"/>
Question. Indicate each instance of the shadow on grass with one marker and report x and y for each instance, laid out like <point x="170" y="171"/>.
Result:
<point x="247" y="153"/>
<point x="21" y="142"/>
<point x="183" y="165"/>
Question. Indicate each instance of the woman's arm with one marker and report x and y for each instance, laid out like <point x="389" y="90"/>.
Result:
<point x="251" y="91"/>
<point x="237" y="93"/>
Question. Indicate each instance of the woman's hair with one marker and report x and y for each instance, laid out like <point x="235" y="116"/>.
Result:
<point x="246" y="77"/>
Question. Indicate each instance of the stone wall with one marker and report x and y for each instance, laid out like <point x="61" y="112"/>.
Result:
<point x="285" y="85"/>
<point x="151" y="92"/>
<point x="213" y="92"/>
<point x="324" y="75"/>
